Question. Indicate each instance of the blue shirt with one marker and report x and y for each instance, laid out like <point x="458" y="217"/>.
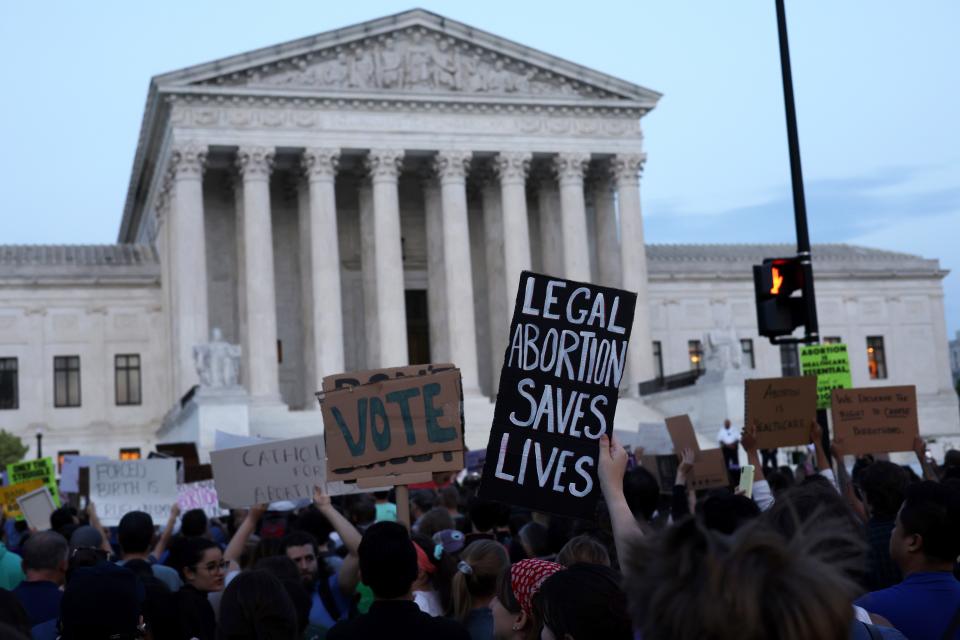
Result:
<point x="318" y="612"/>
<point x="921" y="606"/>
<point x="40" y="599"/>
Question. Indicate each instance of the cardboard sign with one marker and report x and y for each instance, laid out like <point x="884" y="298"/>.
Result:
<point x="393" y="426"/>
<point x="358" y="378"/>
<point x="709" y="468"/>
<point x="783" y="409"/>
<point x="200" y="495"/>
<point x="876" y="419"/>
<point x="830" y="364"/>
<point x="30" y="469"/>
<point x="118" y="487"/>
<point x="9" y="495"/>
<point x="280" y="470"/>
<point x="37" y="506"/>
<point x="70" y="472"/>
<point x="559" y="385"/>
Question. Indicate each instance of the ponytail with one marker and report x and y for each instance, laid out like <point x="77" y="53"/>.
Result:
<point x="482" y="563"/>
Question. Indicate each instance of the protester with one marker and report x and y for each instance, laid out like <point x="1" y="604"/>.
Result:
<point x="135" y="533"/>
<point x="729" y="438"/>
<point x="585" y="602"/>
<point x="534" y="538"/>
<point x="284" y="570"/>
<point x="883" y="484"/>
<point x="256" y="606"/>
<point x="11" y="571"/>
<point x="102" y="601"/>
<point x="386" y="510"/>
<point x="388" y="565"/>
<point x="583" y="549"/>
<point x="925" y="544"/>
<point x="13" y="615"/>
<point x="201" y="566"/>
<point x="512" y="607"/>
<point x="45" y="560"/>
<point x="436" y="569"/>
<point x="475" y="584"/>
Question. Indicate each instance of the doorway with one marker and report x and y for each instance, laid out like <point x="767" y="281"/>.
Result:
<point x="418" y="326"/>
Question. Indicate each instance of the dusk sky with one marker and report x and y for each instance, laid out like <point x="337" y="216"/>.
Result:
<point x="877" y="102"/>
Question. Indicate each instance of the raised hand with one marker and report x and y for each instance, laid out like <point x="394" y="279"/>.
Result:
<point x="816" y="432"/>
<point x="320" y="497"/>
<point x="748" y="439"/>
<point x="612" y="463"/>
<point x="686" y="461"/>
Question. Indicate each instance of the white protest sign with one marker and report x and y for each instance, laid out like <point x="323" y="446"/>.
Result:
<point x="70" y="471"/>
<point x="36" y="507"/>
<point x="225" y="440"/>
<point x="653" y="437"/>
<point x="200" y="495"/>
<point x="273" y="471"/>
<point x="118" y="487"/>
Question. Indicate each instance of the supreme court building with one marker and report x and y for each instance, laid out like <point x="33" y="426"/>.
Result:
<point x="367" y="197"/>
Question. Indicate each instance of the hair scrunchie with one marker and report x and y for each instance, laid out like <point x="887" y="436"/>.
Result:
<point x="464" y="567"/>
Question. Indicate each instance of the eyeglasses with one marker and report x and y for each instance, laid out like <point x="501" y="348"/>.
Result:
<point x="213" y="567"/>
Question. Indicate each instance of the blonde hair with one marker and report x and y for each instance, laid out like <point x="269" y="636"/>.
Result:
<point x="481" y="564"/>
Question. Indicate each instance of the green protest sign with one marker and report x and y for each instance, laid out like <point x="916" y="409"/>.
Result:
<point x="831" y="364"/>
<point x="30" y="469"/>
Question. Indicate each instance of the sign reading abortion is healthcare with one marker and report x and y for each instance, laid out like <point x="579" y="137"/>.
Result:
<point x="558" y="393"/>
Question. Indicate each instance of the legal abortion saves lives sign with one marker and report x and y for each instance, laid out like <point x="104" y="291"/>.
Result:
<point x="558" y="393"/>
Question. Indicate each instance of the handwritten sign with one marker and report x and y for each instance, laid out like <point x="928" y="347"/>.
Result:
<point x="876" y="419"/>
<point x="9" y="495"/>
<point x="830" y="364"/>
<point x="118" y="487"/>
<point x="782" y="408"/>
<point x="200" y="495"/>
<point x="70" y="472"/>
<point x="559" y="385"/>
<point x="37" y="507"/>
<point x="709" y="468"/>
<point x="275" y="471"/>
<point x="394" y="425"/>
<point x="31" y="469"/>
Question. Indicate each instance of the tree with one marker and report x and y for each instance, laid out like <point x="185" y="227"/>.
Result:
<point x="12" y="448"/>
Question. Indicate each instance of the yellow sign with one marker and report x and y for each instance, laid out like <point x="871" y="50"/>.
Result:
<point x="9" y="495"/>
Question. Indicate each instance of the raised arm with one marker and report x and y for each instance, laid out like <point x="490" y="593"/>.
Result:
<point x="164" y="540"/>
<point x="348" y="575"/>
<point x="95" y="523"/>
<point x="843" y="478"/>
<point x="920" y="448"/>
<point x="748" y="440"/>
<point x="612" y="466"/>
<point x="239" y="540"/>
<point x="679" y="506"/>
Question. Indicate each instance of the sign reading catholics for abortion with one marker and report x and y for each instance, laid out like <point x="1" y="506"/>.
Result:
<point x="399" y="422"/>
<point x="876" y="419"/>
<point x="118" y="487"/>
<point x="561" y="374"/>
<point x="830" y="363"/>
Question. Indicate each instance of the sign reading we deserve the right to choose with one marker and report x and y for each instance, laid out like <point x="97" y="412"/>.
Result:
<point x="876" y="419"/>
<point x="559" y="385"/>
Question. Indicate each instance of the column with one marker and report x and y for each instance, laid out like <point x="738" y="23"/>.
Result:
<point x="512" y="170"/>
<point x="259" y="302"/>
<point x="551" y="231"/>
<point x="625" y="169"/>
<point x="608" y="242"/>
<point x="323" y="313"/>
<point x="188" y="261"/>
<point x="389" y="304"/>
<point x="570" y="168"/>
<point x="371" y="330"/>
<point x="451" y="168"/>
<point x="436" y="283"/>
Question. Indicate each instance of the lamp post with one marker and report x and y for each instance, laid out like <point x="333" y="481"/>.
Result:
<point x="39" y="445"/>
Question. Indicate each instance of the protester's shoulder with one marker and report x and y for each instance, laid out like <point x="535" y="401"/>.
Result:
<point x="446" y="628"/>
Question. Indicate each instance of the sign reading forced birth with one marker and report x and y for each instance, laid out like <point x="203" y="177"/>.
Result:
<point x="117" y="487"/>
<point x="558" y="393"/>
<point x="830" y="363"/>
<point x="876" y="419"/>
<point x="392" y="426"/>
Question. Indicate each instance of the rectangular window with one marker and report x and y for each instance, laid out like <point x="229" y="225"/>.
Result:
<point x="832" y="340"/>
<point x="695" y="351"/>
<point x="9" y="384"/>
<point x="749" y="361"/>
<point x="126" y="375"/>
<point x="66" y="381"/>
<point x="876" y="358"/>
<point x="789" y="360"/>
<point x="130" y="453"/>
<point x="657" y="359"/>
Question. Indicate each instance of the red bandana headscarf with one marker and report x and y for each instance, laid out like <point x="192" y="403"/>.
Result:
<point x="526" y="577"/>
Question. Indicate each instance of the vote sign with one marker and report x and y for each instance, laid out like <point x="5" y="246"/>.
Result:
<point x="559" y="385"/>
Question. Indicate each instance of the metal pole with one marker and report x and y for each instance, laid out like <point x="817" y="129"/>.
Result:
<point x="39" y="446"/>
<point x="812" y="328"/>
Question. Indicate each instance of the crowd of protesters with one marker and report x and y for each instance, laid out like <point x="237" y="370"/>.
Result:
<point x="814" y="553"/>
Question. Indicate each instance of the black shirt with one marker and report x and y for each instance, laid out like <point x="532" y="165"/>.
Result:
<point x="397" y="620"/>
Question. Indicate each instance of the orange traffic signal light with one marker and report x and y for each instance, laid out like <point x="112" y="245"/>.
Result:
<point x="779" y="312"/>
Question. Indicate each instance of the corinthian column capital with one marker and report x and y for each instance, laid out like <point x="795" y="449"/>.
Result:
<point x="626" y="168"/>
<point x="254" y="162"/>
<point x="571" y="166"/>
<point x="452" y="165"/>
<point x="513" y="166"/>
<point x="187" y="160"/>
<point x="320" y="163"/>
<point x="384" y="163"/>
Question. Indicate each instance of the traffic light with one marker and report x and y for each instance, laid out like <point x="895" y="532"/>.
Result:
<point x="779" y="312"/>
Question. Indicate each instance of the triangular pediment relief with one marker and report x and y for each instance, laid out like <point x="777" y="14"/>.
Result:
<point x="415" y="53"/>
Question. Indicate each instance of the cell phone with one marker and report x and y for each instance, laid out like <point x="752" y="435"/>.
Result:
<point x="746" y="480"/>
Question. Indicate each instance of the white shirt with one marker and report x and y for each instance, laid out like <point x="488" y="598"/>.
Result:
<point x="729" y="436"/>
<point x="429" y="602"/>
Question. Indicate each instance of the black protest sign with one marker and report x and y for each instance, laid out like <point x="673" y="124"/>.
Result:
<point x="566" y="357"/>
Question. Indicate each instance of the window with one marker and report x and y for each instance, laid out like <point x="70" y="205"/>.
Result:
<point x="876" y="358"/>
<point x="657" y="359"/>
<point x="130" y="453"/>
<point x="832" y="340"/>
<point x="9" y="386"/>
<point x="66" y="381"/>
<point x="789" y="360"/>
<point x="63" y="454"/>
<point x="126" y="373"/>
<point x="749" y="360"/>
<point x="695" y="349"/>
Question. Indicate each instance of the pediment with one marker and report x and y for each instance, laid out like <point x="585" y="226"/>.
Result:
<point x="414" y="53"/>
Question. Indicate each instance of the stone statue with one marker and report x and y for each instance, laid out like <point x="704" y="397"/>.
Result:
<point x="390" y="69"/>
<point x="721" y="344"/>
<point x="217" y="362"/>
